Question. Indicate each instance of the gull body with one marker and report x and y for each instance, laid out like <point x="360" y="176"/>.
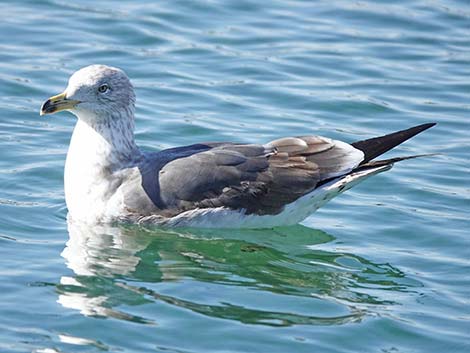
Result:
<point x="109" y="179"/>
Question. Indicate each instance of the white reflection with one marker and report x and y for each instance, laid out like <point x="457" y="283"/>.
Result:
<point x="87" y="306"/>
<point x="97" y="255"/>
<point x="102" y="249"/>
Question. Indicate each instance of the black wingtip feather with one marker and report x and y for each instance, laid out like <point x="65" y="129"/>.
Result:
<point x="376" y="146"/>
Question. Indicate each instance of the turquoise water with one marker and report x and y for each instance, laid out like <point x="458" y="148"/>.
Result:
<point x="383" y="268"/>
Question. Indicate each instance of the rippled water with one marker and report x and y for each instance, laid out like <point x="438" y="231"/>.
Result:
<point x="384" y="268"/>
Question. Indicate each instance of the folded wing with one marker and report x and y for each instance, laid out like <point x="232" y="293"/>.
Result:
<point x="260" y="179"/>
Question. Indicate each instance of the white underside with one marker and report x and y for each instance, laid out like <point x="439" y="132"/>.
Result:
<point x="293" y="213"/>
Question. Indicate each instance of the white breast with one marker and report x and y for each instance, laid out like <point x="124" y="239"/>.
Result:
<point x="88" y="185"/>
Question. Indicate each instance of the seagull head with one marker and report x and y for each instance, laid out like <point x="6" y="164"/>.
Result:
<point x="95" y="94"/>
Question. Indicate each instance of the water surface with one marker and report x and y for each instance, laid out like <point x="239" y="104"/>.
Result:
<point x="383" y="268"/>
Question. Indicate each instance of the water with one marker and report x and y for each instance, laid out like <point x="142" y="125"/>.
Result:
<point x="384" y="268"/>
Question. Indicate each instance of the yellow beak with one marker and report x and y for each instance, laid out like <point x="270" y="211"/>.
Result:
<point x="57" y="103"/>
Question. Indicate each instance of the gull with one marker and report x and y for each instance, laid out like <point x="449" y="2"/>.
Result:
<point x="108" y="179"/>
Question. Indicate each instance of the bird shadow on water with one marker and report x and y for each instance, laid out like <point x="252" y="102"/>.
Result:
<point x="116" y="268"/>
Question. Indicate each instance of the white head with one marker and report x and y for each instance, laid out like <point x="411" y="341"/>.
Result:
<point x="103" y="99"/>
<point x="95" y="94"/>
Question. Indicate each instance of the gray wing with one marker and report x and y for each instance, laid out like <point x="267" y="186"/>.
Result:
<point x="261" y="179"/>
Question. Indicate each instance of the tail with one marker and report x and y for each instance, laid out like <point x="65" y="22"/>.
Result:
<point x="389" y="162"/>
<point x="376" y="146"/>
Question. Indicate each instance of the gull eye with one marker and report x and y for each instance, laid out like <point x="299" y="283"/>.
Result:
<point x="103" y="88"/>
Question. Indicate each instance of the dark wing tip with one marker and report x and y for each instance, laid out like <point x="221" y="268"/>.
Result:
<point x="422" y="127"/>
<point x="376" y="146"/>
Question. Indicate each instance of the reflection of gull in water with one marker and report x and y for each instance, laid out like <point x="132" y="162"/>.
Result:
<point x="98" y="251"/>
<point x="79" y="301"/>
<point x="217" y="274"/>
<point x="87" y="245"/>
